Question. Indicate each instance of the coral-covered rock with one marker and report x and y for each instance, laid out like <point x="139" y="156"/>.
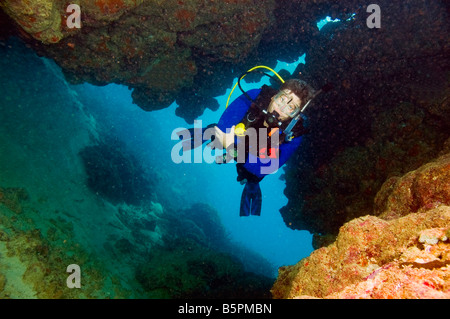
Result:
<point x="105" y="11"/>
<point x="33" y="264"/>
<point x="374" y="258"/>
<point x="154" y="47"/>
<point x="41" y="19"/>
<point x="161" y="48"/>
<point x="116" y="175"/>
<point x="422" y="189"/>
<point x="190" y="270"/>
<point x="402" y="253"/>
<point x="396" y="281"/>
<point x="46" y="20"/>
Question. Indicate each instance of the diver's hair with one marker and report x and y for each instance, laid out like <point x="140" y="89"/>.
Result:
<point x="300" y="88"/>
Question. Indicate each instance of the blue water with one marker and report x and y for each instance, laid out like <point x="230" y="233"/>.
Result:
<point x="148" y="134"/>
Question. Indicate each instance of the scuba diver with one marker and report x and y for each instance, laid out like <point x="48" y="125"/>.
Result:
<point x="260" y="130"/>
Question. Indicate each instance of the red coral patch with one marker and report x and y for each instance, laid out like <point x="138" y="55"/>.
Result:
<point x="186" y="17"/>
<point x="110" y="6"/>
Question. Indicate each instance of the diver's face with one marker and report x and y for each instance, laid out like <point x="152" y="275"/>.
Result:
<point x="286" y="104"/>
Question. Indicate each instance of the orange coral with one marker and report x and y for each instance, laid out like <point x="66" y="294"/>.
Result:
<point x="186" y="17"/>
<point x="404" y="255"/>
<point x="425" y="188"/>
<point x="251" y="26"/>
<point x="373" y="258"/>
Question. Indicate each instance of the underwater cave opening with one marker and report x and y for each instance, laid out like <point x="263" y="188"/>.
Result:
<point x="184" y="184"/>
<point x="147" y="136"/>
<point x="267" y="234"/>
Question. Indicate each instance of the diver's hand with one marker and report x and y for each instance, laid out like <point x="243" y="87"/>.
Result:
<point x="222" y="140"/>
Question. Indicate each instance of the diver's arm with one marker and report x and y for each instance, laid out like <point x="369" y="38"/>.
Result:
<point x="222" y="140"/>
<point x="224" y="131"/>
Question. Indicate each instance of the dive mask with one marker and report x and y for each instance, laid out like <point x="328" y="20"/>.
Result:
<point x="285" y="105"/>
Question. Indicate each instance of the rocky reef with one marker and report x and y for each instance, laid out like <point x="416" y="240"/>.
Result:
<point x="387" y="115"/>
<point x="71" y="192"/>
<point x="404" y="252"/>
<point x="166" y="51"/>
<point x="142" y="256"/>
<point x="35" y="257"/>
<point x="187" y="269"/>
<point x="115" y="174"/>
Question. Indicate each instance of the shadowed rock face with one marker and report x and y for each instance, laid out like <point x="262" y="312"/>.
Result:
<point x="387" y="114"/>
<point x="158" y="48"/>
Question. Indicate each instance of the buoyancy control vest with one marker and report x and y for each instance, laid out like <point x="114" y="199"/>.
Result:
<point x="257" y="114"/>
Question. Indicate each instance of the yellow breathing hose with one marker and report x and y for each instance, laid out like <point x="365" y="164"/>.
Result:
<point x="254" y="68"/>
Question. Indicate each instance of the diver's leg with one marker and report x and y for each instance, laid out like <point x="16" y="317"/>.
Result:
<point x="246" y="201"/>
<point x="256" y="201"/>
